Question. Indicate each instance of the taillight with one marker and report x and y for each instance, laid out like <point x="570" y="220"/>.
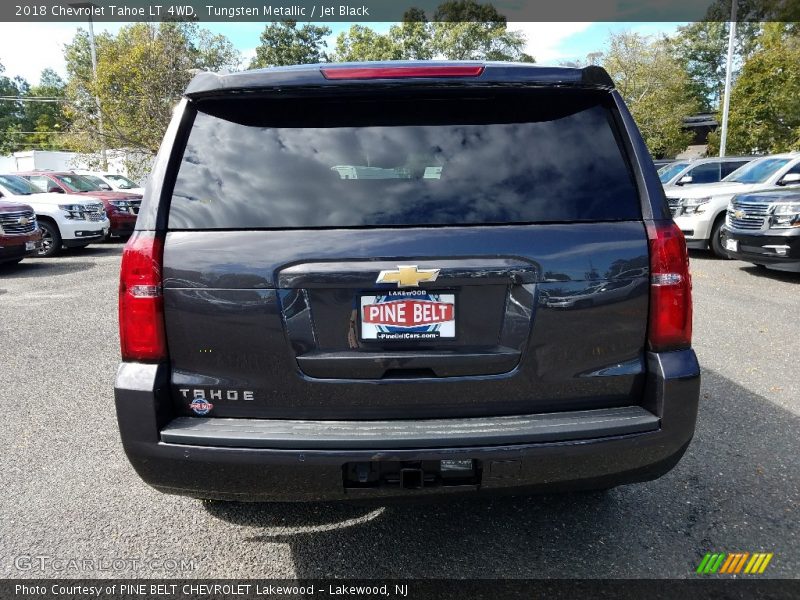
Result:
<point x="401" y="72"/>
<point x="670" y="326"/>
<point x="141" y="306"/>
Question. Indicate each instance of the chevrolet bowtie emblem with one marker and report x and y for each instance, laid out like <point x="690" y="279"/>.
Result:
<point x="739" y="214"/>
<point x="407" y="276"/>
<point x="23" y="221"/>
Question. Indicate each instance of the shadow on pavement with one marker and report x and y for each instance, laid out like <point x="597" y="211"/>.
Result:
<point x="736" y="489"/>
<point x="771" y="274"/>
<point x="47" y="267"/>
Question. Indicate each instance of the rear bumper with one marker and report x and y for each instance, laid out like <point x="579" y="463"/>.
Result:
<point x="781" y="251"/>
<point x="549" y="452"/>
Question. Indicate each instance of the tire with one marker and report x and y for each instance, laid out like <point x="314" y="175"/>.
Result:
<point x="51" y="239"/>
<point x="715" y="242"/>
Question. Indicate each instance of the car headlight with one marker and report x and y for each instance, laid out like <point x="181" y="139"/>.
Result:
<point x="74" y="211"/>
<point x="124" y="204"/>
<point x="691" y="206"/>
<point x="785" y="216"/>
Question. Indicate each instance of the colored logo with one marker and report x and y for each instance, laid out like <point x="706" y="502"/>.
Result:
<point x="409" y="313"/>
<point x="734" y="563"/>
<point x="200" y="406"/>
<point x="407" y="276"/>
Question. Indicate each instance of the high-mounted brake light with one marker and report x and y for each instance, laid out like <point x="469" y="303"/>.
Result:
<point x="670" y="325"/>
<point x="141" y="306"/>
<point x="401" y="72"/>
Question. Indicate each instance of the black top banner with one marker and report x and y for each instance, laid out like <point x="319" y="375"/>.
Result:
<point x="394" y="10"/>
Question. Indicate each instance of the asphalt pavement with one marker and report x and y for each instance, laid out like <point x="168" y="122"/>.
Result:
<point x="73" y="507"/>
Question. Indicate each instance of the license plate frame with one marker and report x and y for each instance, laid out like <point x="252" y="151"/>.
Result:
<point x="731" y="245"/>
<point x="368" y="332"/>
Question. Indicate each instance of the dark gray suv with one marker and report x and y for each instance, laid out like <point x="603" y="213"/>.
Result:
<point x="392" y="279"/>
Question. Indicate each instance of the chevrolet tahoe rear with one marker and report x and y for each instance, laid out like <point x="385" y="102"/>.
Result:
<point x="394" y="279"/>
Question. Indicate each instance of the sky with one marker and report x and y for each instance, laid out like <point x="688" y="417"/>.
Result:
<point x="27" y="48"/>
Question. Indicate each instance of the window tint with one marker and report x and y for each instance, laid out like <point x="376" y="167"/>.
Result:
<point x="729" y="167"/>
<point x="794" y="169"/>
<point x="758" y="171"/>
<point x="706" y="173"/>
<point x="121" y="181"/>
<point x="77" y="184"/>
<point x="18" y="185"/>
<point x="96" y="181"/>
<point x="667" y="172"/>
<point x="43" y="182"/>
<point x="498" y="158"/>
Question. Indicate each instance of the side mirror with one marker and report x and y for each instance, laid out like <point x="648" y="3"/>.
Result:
<point x="55" y="190"/>
<point x="105" y="186"/>
<point x="790" y="179"/>
<point x="685" y="179"/>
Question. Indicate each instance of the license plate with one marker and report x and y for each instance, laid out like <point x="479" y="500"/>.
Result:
<point x="30" y="245"/>
<point x="732" y="245"/>
<point x="408" y="316"/>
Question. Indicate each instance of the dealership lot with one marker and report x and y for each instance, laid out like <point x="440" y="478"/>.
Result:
<point x="70" y="495"/>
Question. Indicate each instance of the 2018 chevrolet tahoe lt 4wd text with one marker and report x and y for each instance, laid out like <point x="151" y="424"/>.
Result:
<point x="339" y="286"/>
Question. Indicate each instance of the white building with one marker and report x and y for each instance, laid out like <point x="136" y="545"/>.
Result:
<point x="35" y="160"/>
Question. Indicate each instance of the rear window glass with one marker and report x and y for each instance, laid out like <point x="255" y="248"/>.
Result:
<point x="488" y="159"/>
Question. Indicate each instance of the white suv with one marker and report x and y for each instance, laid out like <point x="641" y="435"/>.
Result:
<point x="66" y="220"/>
<point x="700" y="210"/>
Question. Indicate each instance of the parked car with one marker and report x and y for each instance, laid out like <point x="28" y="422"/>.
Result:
<point x="764" y="228"/>
<point x="65" y="220"/>
<point x="121" y="207"/>
<point x="662" y="162"/>
<point x="700" y="210"/>
<point x="288" y="333"/>
<point x="20" y="235"/>
<point x="700" y="170"/>
<point x="111" y="182"/>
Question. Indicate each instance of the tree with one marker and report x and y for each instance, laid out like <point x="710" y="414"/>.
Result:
<point x="11" y="112"/>
<point x="702" y="50"/>
<point x="459" y="30"/>
<point x="413" y="35"/>
<point x="466" y="30"/>
<point x="44" y="114"/>
<point x="655" y="87"/>
<point x="765" y="100"/>
<point x="283" y="43"/>
<point x="141" y="74"/>
<point x="363" y="43"/>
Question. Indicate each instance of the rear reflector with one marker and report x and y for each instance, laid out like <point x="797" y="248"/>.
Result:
<point x="670" y="326"/>
<point x="401" y="72"/>
<point x="141" y="306"/>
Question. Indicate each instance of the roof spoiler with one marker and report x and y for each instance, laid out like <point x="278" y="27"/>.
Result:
<point x="206" y="83"/>
<point x="594" y="75"/>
